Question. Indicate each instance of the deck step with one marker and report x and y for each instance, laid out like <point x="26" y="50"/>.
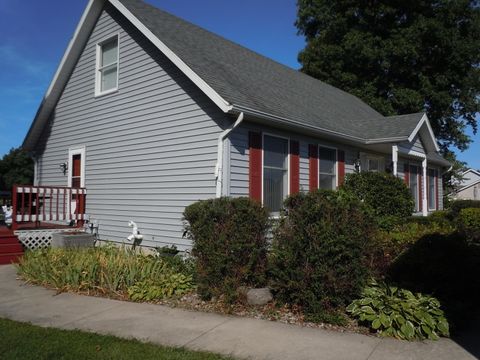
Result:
<point x="13" y="248"/>
<point x="10" y="258"/>
<point x="9" y="240"/>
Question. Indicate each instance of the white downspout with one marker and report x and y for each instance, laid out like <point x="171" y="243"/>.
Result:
<point x="219" y="165"/>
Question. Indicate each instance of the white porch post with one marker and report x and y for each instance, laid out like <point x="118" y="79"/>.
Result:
<point x="424" y="185"/>
<point x="395" y="159"/>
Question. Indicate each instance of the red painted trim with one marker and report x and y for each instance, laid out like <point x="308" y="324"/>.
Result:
<point x="14" y="208"/>
<point x="294" y="166"/>
<point x="406" y="173"/>
<point x="313" y="167"/>
<point x="30" y="199"/>
<point x="341" y="167"/>
<point x="255" y="165"/>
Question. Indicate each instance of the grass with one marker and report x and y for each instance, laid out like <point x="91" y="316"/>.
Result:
<point x="21" y="341"/>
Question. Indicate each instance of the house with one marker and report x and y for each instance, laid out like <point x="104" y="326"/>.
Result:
<point x="469" y="187"/>
<point x="151" y="113"/>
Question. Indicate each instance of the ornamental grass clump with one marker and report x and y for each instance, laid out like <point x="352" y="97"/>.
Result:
<point x="112" y="271"/>
<point x="392" y="311"/>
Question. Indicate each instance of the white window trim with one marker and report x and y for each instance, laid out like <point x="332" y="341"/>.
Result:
<point x="435" y="191"/>
<point x="35" y="171"/>
<point x="288" y="160"/>
<point x="79" y="150"/>
<point x="419" y="184"/>
<point x="336" y="164"/>
<point x="379" y="158"/>
<point x="98" y="68"/>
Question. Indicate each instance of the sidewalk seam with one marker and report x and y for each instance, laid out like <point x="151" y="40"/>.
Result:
<point x="205" y="332"/>
<point x="373" y="350"/>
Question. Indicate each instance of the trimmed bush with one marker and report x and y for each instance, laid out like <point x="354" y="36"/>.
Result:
<point x="469" y="223"/>
<point x="229" y="244"/>
<point x="457" y="205"/>
<point x="445" y="266"/>
<point x="391" y="311"/>
<point x="319" y="257"/>
<point x="391" y="244"/>
<point x="386" y="195"/>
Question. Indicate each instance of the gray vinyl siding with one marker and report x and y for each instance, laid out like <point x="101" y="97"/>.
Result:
<point x="415" y="145"/>
<point x="151" y="147"/>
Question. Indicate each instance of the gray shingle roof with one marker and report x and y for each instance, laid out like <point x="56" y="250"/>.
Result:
<point x="247" y="79"/>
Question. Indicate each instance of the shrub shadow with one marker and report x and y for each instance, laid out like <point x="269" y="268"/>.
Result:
<point x="447" y="267"/>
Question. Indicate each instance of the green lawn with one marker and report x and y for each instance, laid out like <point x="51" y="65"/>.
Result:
<point x="20" y="341"/>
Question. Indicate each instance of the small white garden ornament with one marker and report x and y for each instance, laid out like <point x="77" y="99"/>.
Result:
<point x="136" y="236"/>
<point x="7" y="214"/>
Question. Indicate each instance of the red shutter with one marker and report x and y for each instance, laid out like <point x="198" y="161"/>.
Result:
<point x="406" y="174"/>
<point x="255" y="165"/>
<point x="341" y="167"/>
<point x="313" y="166"/>
<point x="437" y="200"/>
<point x="294" y="167"/>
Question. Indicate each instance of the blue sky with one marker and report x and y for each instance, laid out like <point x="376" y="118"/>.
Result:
<point x="34" y="35"/>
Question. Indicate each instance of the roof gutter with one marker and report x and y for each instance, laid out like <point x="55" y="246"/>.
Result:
<point x="278" y="119"/>
<point x="220" y="148"/>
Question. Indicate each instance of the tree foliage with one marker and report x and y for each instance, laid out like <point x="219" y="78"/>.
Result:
<point x="16" y="167"/>
<point x="400" y="57"/>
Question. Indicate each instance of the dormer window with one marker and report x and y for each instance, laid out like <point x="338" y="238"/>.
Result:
<point x="107" y="66"/>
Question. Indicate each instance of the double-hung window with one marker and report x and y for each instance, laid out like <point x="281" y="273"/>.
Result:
<point x="431" y="189"/>
<point x="328" y="168"/>
<point x="275" y="172"/>
<point x="415" y="185"/>
<point x="107" y="66"/>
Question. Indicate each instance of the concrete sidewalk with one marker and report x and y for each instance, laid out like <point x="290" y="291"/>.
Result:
<point x="240" y="337"/>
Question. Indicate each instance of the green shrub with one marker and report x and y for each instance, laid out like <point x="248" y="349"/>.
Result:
<point x="319" y="255"/>
<point x="469" y="223"/>
<point x="400" y="313"/>
<point x="457" y="205"/>
<point x="446" y="266"/>
<point x="386" y="195"/>
<point x="109" y="270"/>
<point x="229" y="245"/>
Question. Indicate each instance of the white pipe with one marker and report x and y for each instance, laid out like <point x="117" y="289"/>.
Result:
<point x="219" y="165"/>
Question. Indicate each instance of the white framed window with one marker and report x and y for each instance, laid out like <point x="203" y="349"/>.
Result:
<point x="76" y="167"/>
<point x="374" y="163"/>
<point x="275" y="172"/>
<point x="432" y="201"/>
<point x="414" y="184"/>
<point x="106" y="74"/>
<point x="327" y="168"/>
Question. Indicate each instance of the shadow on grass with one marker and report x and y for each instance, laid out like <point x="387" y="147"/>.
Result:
<point x="447" y="267"/>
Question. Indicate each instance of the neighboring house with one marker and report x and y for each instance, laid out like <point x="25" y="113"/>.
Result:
<point x="469" y="187"/>
<point x="151" y="113"/>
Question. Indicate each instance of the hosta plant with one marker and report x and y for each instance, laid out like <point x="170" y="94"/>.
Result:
<point x="396" y="312"/>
